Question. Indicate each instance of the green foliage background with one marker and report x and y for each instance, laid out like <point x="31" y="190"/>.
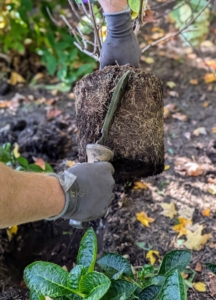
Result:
<point x="26" y="26"/>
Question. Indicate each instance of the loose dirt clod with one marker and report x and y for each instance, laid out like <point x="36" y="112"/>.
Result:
<point x="136" y="135"/>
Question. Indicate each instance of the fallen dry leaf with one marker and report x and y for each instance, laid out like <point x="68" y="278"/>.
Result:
<point x="144" y="219"/>
<point x="212" y="190"/>
<point x="16" y="78"/>
<point x="194" y="81"/>
<point x="166" y="167"/>
<point x="152" y="255"/>
<point x="53" y="113"/>
<point x="199" y="131"/>
<point x="173" y="94"/>
<point x="39" y="162"/>
<point x="199" y="286"/>
<point x="168" y="210"/>
<point x="184" y="275"/>
<point x="209" y="77"/>
<point x="139" y="185"/>
<point x="206" y="104"/>
<point x="70" y="163"/>
<point x="180" y="117"/>
<point x="171" y="84"/>
<point x="149" y="16"/>
<point x="186" y="212"/>
<point x="211" y="180"/>
<point x="206" y="212"/>
<point x="190" y="168"/>
<point x="195" y="240"/>
<point x="181" y="228"/>
<point x="11" y="231"/>
<point x="214" y="130"/>
<point x="16" y="150"/>
<point x="148" y="60"/>
<point x="212" y="284"/>
<point x="198" y="267"/>
<point x="168" y="109"/>
<point x="37" y="77"/>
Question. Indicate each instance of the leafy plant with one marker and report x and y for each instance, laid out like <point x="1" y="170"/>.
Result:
<point x="109" y="278"/>
<point x="26" y="26"/>
<point x="19" y="163"/>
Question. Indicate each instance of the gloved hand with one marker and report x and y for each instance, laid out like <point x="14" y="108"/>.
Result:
<point x="121" y="44"/>
<point x="88" y="189"/>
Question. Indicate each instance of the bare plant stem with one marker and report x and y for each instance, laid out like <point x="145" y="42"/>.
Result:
<point x="95" y="25"/>
<point x="184" y="29"/>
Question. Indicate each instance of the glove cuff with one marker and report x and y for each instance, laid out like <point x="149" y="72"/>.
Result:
<point x="119" y="24"/>
<point x="66" y="180"/>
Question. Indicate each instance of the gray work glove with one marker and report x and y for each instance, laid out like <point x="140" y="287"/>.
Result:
<point x="88" y="191"/>
<point x="121" y="44"/>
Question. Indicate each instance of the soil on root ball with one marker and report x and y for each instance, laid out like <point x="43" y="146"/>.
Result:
<point x="137" y="134"/>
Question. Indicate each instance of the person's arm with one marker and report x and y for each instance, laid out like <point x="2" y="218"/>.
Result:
<point x="81" y="193"/>
<point x="112" y="6"/>
<point x="121" y="46"/>
<point x="27" y="197"/>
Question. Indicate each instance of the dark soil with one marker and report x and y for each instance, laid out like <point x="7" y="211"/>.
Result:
<point x="54" y="139"/>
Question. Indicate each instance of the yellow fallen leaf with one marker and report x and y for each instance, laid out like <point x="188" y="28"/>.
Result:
<point x="138" y="185"/>
<point x="149" y="60"/>
<point x="152" y="255"/>
<point x="144" y="219"/>
<point x="209" y="77"/>
<point x="168" y="210"/>
<point x="181" y="228"/>
<point x="16" y="78"/>
<point x="16" y="151"/>
<point x="195" y="240"/>
<point x="190" y="168"/>
<point x="70" y="163"/>
<point x="12" y="231"/>
<point x="205" y="104"/>
<point x="171" y="84"/>
<point x="194" y="81"/>
<point x="166" y="167"/>
<point x="206" y="212"/>
<point x="214" y="130"/>
<point x="199" y="131"/>
<point x="199" y="286"/>
<point x="212" y="190"/>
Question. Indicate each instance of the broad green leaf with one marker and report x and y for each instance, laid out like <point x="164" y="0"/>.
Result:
<point x="119" y="289"/>
<point x="34" y="296"/>
<point x="47" y="279"/>
<point x="48" y="168"/>
<point x="177" y="259"/>
<point x="75" y="276"/>
<point x="112" y="263"/>
<point x="95" y="285"/>
<point x="174" y="287"/>
<point x="134" y="5"/>
<point x="4" y="156"/>
<point x="156" y="280"/>
<point x="118" y="275"/>
<point x="34" y="168"/>
<point x="146" y="270"/>
<point x="185" y="13"/>
<point x="211" y="267"/>
<point x="22" y="161"/>
<point x="88" y="250"/>
<point x="150" y="293"/>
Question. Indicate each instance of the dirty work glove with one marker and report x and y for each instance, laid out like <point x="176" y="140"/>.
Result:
<point x="121" y="44"/>
<point x="88" y="191"/>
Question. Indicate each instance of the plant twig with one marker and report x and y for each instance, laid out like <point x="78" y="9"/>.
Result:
<point x="178" y="32"/>
<point x="78" y="15"/>
<point x="142" y="11"/>
<point x="93" y="55"/>
<point x="95" y="25"/>
<point x="51" y="17"/>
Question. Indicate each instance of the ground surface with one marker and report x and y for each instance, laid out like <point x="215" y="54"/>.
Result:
<point x="52" y="136"/>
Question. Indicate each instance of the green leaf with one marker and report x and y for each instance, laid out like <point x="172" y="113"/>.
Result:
<point x="134" y="5"/>
<point x="47" y="279"/>
<point x="88" y="250"/>
<point x="150" y="293"/>
<point x="48" y="168"/>
<point x="34" y="296"/>
<point x="4" y="156"/>
<point x="177" y="259"/>
<point x="75" y="276"/>
<point x="34" y="168"/>
<point x="22" y="161"/>
<point x="174" y="287"/>
<point x="120" y="289"/>
<point x="211" y="267"/>
<point x="146" y="270"/>
<point x="156" y="280"/>
<point x="95" y="285"/>
<point x="112" y="263"/>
